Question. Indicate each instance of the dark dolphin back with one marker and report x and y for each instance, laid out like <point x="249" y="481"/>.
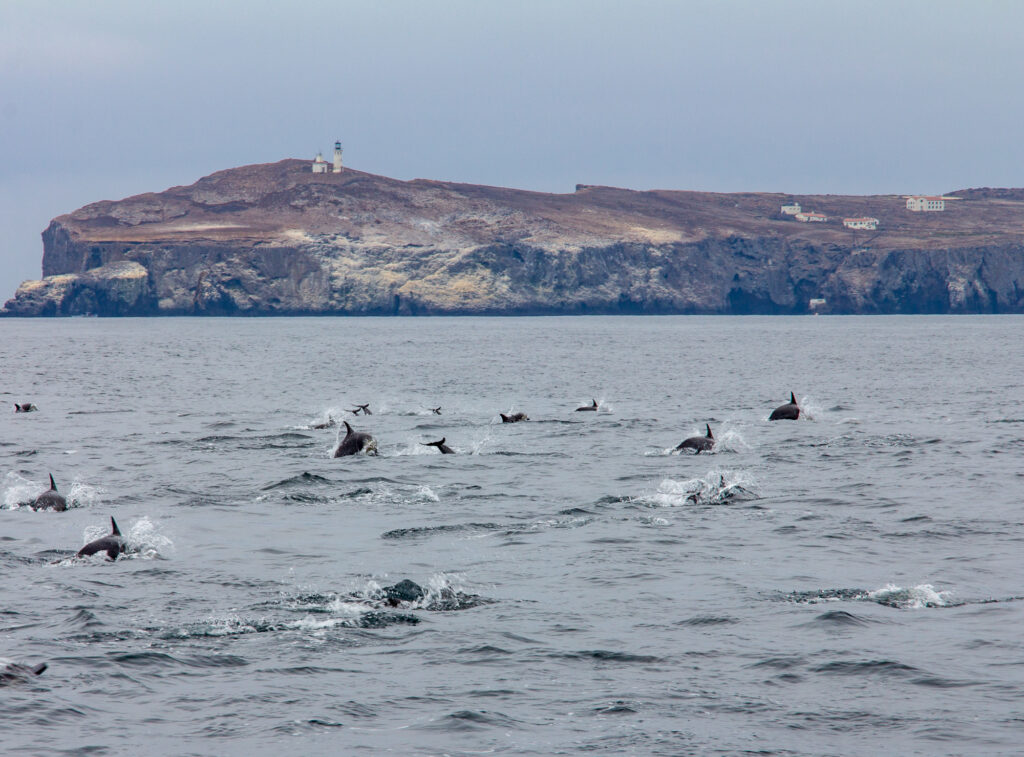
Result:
<point x="112" y="543"/>
<point x="353" y="443"/>
<point x="788" y="412"/>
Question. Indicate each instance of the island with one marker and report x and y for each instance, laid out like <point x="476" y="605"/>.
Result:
<point x="286" y="238"/>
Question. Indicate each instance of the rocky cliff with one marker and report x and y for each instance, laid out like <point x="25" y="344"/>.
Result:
<point x="277" y="239"/>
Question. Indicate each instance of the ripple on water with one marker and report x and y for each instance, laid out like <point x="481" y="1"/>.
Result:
<point x="472" y="720"/>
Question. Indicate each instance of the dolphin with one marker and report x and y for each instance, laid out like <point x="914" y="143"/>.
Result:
<point x="445" y="449"/>
<point x="13" y="672"/>
<point x="329" y="423"/>
<point x="355" y="441"/>
<point x="698" y="443"/>
<point x="51" y="499"/>
<point x="585" y="408"/>
<point x="514" y="417"/>
<point x="24" y="407"/>
<point x="113" y="543"/>
<point x="404" y="591"/>
<point x="436" y="410"/>
<point x="788" y="412"/>
<point x="365" y="408"/>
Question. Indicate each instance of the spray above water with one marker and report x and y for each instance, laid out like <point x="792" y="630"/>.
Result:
<point x="715" y="488"/>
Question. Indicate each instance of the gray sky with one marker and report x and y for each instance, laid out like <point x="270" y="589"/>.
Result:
<point x="107" y="99"/>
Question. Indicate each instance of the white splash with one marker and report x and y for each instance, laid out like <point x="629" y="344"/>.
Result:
<point x="715" y="488"/>
<point x="914" y="598"/>
<point x="84" y="495"/>
<point x="730" y="440"/>
<point x="19" y="491"/>
<point x="426" y="493"/>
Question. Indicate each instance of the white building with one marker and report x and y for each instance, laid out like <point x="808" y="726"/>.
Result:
<point x="322" y="166"/>
<point x="861" y="223"/>
<point x="810" y="216"/>
<point x="792" y="209"/>
<point x="922" y="203"/>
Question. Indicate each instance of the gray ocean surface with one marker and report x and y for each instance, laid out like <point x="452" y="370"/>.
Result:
<point x="849" y="583"/>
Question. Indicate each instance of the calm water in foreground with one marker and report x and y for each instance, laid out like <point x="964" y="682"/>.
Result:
<point x="849" y="583"/>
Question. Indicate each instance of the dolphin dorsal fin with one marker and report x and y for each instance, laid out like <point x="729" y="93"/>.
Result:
<point x="710" y="435"/>
<point x="348" y="428"/>
<point x="37" y="669"/>
<point x="442" y="441"/>
<point x="53" y="484"/>
<point x="114" y="530"/>
<point x="792" y="398"/>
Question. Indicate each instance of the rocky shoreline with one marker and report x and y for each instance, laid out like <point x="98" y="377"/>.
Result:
<point x="276" y="239"/>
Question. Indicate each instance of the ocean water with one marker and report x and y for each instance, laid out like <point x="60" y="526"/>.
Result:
<point x="849" y="583"/>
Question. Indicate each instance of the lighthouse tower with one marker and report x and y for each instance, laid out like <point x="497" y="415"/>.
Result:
<point x="337" y="157"/>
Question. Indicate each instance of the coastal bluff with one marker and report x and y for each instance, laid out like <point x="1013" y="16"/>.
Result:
<point x="278" y="239"/>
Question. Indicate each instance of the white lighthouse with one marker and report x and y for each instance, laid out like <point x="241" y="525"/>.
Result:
<point x="337" y="157"/>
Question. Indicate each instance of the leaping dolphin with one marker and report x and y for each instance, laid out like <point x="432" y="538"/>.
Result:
<point x="436" y="410"/>
<point x="113" y="543"/>
<point x="788" y="412"/>
<point x="514" y="417"/>
<point x="354" y="442"/>
<point x="585" y="408"/>
<point x="51" y="499"/>
<point x="365" y="408"/>
<point x="445" y="449"/>
<point x="698" y="443"/>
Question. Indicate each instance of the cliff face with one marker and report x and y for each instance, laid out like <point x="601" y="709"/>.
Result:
<point x="278" y="239"/>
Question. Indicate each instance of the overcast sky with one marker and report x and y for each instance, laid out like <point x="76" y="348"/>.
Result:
<point x="106" y="99"/>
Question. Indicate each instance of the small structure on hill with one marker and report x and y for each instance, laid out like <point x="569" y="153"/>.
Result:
<point x="322" y="166"/>
<point x="861" y="223"/>
<point x="811" y="216"/>
<point x="791" y="209"/>
<point x="923" y="203"/>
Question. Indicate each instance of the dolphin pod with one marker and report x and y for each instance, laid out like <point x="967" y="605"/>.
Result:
<point x="445" y="449"/>
<point x="355" y="442"/>
<point x="698" y="443"/>
<point x="113" y="543"/>
<point x="51" y="499"/>
<point x="788" y="412"/>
